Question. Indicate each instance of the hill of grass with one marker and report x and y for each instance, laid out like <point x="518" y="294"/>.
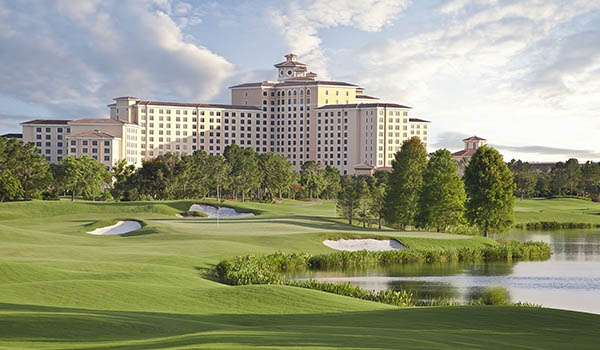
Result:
<point x="561" y="210"/>
<point x="61" y="288"/>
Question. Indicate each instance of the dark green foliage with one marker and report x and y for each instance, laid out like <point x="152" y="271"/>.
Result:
<point x="349" y="199"/>
<point x="400" y="298"/>
<point x="254" y="269"/>
<point x="525" y="178"/>
<point x="245" y="174"/>
<point x="278" y="174"/>
<point x="269" y="269"/>
<point x="591" y="180"/>
<point x="405" y="183"/>
<point x="442" y="199"/>
<point x="24" y="173"/>
<point x="543" y="185"/>
<point x="83" y="176"/>
<point x="490" y="296"/>
<point x="490" y="187"/>
<point x="312" y="178"/>
<point x="332" y="179"/>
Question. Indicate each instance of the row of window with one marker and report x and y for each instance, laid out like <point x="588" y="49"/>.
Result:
<point x="58" y="130"/>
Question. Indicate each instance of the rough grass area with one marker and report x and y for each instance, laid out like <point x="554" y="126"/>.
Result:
<point x="61" y="288"/>
<point x="557" y="213"/>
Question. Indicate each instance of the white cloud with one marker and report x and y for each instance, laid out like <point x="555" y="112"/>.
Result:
<point x="513" y="72"/>
<point x="74" y="56"/>
<point x="301" y="21"/>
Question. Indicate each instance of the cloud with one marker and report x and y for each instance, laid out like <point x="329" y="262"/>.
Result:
<point x="557" y="153"/>
<point x="513" y="71"/>
<point x="301" y="21"/>
<point x="75" y="56"/>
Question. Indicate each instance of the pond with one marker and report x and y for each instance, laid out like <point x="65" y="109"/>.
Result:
<point x="569" y="280"/>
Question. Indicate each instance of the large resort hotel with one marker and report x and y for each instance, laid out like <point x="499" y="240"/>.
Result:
<point x="303" y="118"/>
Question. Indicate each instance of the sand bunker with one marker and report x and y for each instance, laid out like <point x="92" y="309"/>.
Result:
<point x="374" y="245"/>
<point x="117" y="229"/>
<point x="223" y="212"/>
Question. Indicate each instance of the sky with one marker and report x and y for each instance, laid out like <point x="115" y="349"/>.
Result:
<point x="525" y="75"/>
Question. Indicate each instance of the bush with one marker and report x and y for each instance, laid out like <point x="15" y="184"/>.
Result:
<point x="490" y="296"/>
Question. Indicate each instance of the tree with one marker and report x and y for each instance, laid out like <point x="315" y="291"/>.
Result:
<point x="191" y="176"/>
<point x="405" y="183"/>
<point x="377" y="202"/>
<point x="245" y="173"/>
<point x="353" y="189"/>
<point x="489" y="184"/>
<point x="25" y="164"/>
<point x="121" y="174"/>
<point x="573" y="176"/>
<point x="217" y="170"/>
<point x="84" y="176"/>
<point x="311" y="178"/>
<point x="278" y="173"/>
<point x="559" y="179"/>
<point x="543" y="186"/>
<point x="332" y="179"/>
<point x="10" y="187"/>
<point x="442" y="200"/>
<point x="591" y="179"/>
<point x="525" y="178"/>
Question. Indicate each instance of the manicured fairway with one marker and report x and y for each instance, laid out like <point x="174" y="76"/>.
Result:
<point x="61" y="288"/>
<point x="558" y="210"/>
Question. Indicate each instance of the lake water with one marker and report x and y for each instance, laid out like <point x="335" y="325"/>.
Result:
<point x="569" y="280"/>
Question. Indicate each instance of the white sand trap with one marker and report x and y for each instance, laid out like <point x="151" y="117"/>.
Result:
<point x="223" y="212"/>
<point x="374" y="245"/>
<point x="117" y="229"/>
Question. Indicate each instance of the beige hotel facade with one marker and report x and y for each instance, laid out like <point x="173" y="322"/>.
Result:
<point x="303" y="118"/>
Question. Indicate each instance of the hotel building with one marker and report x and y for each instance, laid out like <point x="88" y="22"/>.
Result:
<point x="298" y="116"/>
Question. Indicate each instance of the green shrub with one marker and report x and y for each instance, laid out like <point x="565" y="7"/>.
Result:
<point x="490" y="296"/>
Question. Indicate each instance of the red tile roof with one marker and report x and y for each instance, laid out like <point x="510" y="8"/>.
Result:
<point x="474" y="138"/>
<point x="363" y="105"/>
<point x="292" y="83"/>
<point x="363" y="166"/>
<point x="464" y="153"/>
<point x="94" y="133"/>
<point x="197" y="105"/>
<point x="46" y="122"/>
<point x="289" y="64"/>
<point x="97" y="121"/>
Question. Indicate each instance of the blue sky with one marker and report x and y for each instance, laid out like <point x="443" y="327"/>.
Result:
<point x="523" y="74"/>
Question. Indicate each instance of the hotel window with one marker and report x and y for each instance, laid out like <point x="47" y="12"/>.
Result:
<point x="73" y="150"/>
<point x="94" y="150"/>
<point x="84" y="142"/>
<point x="48" y="137"/>
<point x="38" y="129"/>
<point x="84" y="150"/>
<point x="107" y="150"/>
<point x="106" y="158"/>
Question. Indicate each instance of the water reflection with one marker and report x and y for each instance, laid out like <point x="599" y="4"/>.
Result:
<point x="570" y="279"/>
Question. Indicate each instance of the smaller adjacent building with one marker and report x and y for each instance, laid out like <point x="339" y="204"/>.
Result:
<point x="471" y="145"/>
<point x="13" y="136"/>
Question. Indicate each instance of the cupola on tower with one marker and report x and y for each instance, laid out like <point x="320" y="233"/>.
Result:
<point x="290" y="68"/>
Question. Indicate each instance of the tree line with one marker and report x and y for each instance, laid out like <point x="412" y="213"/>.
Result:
<point x="240" y="174"/>
<point x="563" y="179"/>
<point x="428" y="193"/>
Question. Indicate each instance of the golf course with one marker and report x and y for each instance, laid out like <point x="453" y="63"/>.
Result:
<point x="153" y="288"/>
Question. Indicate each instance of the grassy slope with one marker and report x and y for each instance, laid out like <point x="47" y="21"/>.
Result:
<point x="559" y="210"/>
<point x="61" y="288"/>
